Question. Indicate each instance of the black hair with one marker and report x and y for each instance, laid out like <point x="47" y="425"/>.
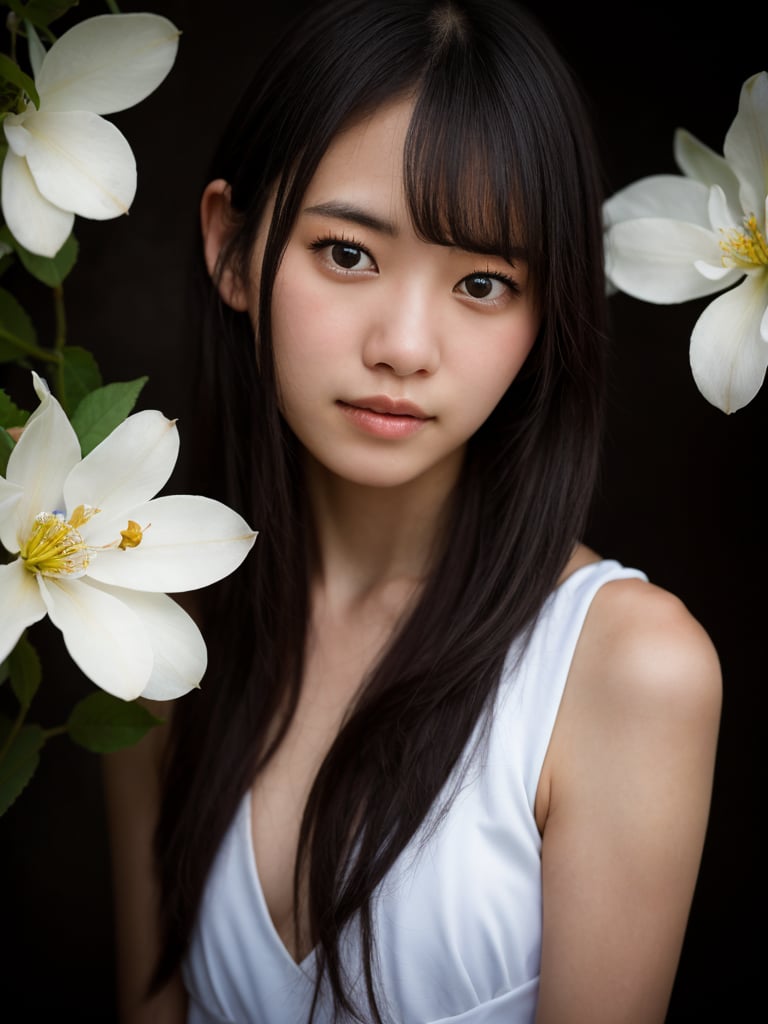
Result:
<point x="499" y="154"/>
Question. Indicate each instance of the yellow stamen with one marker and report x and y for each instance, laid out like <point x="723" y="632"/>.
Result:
<point x="747" y="249"/>
<point x="132" y="536"/>
<point x="82" y="515"/>
<point x="54" y="547"/>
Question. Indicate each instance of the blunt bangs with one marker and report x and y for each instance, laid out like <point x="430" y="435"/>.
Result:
<point x="478" y="162"/>
<point x="461" y="186"/>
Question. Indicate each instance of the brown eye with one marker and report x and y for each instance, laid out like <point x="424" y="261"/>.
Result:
<point x="479" y="286"/>
<point x="487" y="289"/>
<point x="346" y="256"/>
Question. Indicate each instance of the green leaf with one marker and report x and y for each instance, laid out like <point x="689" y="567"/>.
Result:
<point x="9" y="95"/>
<point x="41" y="12"/>
<point x="102" y="723"/>
<point x="10" y="414"/>
<point x="11" y="72"/>
<point x="80" y="376"/>
<point x="103" y="409"/>
<point x="20" y="761"/>
<point x="51" y="270"/>
<point x="26" y="673"/>
<point x="4" y="671"/>
<point x="6" y="260"/>
<point x="17" y="332"/>
<point x="6" y="447"/>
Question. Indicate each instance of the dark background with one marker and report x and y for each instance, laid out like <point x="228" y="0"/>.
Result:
<point x="679" y="496"/>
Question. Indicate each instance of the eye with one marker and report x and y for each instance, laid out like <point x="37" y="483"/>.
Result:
<point x="343" y="255"/>
<point x="489" y="288"/>
<point x="350" y="257"/>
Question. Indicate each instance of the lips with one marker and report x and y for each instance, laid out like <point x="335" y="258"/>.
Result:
<point x="386" y="406"/>
<point x="388" y="419"/>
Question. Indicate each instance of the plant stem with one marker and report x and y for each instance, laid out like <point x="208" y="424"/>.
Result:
<point x="57" y="730"/>
<point x="12" y="24"/>
<point x="60" y="338"/>
<point x="15" y="728"/>
<point x="44" y="354"/>
<point x="112" y="6"/>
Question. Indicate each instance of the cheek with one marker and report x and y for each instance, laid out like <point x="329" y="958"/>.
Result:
<point x="308" y="336"/>
<point x="495" y="360"/>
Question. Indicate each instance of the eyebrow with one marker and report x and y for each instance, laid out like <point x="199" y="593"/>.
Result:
<point x="340" y="210"/>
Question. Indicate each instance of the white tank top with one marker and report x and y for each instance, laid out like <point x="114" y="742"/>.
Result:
<point x="457" y="919"/>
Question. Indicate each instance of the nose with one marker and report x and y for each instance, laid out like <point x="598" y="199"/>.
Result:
<point x="402" y="336"/>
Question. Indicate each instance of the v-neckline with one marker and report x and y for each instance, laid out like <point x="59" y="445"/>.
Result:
<point x="269" y="924"/>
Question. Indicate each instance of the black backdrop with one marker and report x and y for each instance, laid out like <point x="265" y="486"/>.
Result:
<point x="679" y="496"/>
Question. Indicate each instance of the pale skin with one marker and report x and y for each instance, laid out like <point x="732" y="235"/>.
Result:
<point x="623" y="798"/>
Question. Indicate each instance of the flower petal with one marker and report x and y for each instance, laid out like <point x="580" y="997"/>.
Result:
<point x="103" y="636"/>
<point x="82" y="163"/>
<point x="10" y="496"/>
<point x="705" y="165"/>
<point x="720" y="213"/>
<point x="39" y="463"/>
<point x="728" y="355"/>
<point x="127" y="469"/>
<point x="661" y="195"/>
<point x="180" y="655"/>
<point x="35" y="48"/>
<point x="746" y="143"/>
<point x="653" y="259"/>
<point x="712" y="272"/>
<point x="107" y="63"/>
<point x="189" y="542"/>
<point x="40" y="386"/>
<point x="40" y="226"/>
<point x="17" y="135"/>
<point x="20" y="604"/>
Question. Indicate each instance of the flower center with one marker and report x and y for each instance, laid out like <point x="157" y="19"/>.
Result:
<point x="747" y="249"/>
<point x="55" y="547"/>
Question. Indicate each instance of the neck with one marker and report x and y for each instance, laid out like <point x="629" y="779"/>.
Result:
<point x="370" y="536"/>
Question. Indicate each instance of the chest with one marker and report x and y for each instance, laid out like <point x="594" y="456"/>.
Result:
<point x="458" y="919"/>
<point x="333" y="673"/>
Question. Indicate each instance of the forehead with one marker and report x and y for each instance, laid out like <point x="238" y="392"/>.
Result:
<point x="366" y="159"/>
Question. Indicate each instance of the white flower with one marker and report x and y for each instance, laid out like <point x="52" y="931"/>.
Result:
<point x="670" y="239"/>
<point x="99" y="554"/>
<point x="64" y="159"/>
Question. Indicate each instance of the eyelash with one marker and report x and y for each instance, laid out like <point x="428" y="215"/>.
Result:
<point x="496" y="275"/>
<point x="327" y="241"/>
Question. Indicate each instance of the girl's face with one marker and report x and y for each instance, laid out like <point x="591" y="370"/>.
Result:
<point x="390" y="351"/>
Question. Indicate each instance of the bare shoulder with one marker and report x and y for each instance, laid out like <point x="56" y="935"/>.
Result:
<point x="623" y="804"/>
<point x="645" y="680"/>
<point x="641" y="644"/>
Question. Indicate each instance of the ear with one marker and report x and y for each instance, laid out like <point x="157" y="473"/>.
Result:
<point x="217" y="222"/>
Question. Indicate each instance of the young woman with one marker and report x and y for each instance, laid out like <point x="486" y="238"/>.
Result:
<point x="448" y="764"/>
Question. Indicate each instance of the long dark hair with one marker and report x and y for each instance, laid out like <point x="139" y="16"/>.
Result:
<point x="499" y="153"/>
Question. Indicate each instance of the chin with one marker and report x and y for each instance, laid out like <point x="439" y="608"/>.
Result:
<point x="389" y="470"/>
